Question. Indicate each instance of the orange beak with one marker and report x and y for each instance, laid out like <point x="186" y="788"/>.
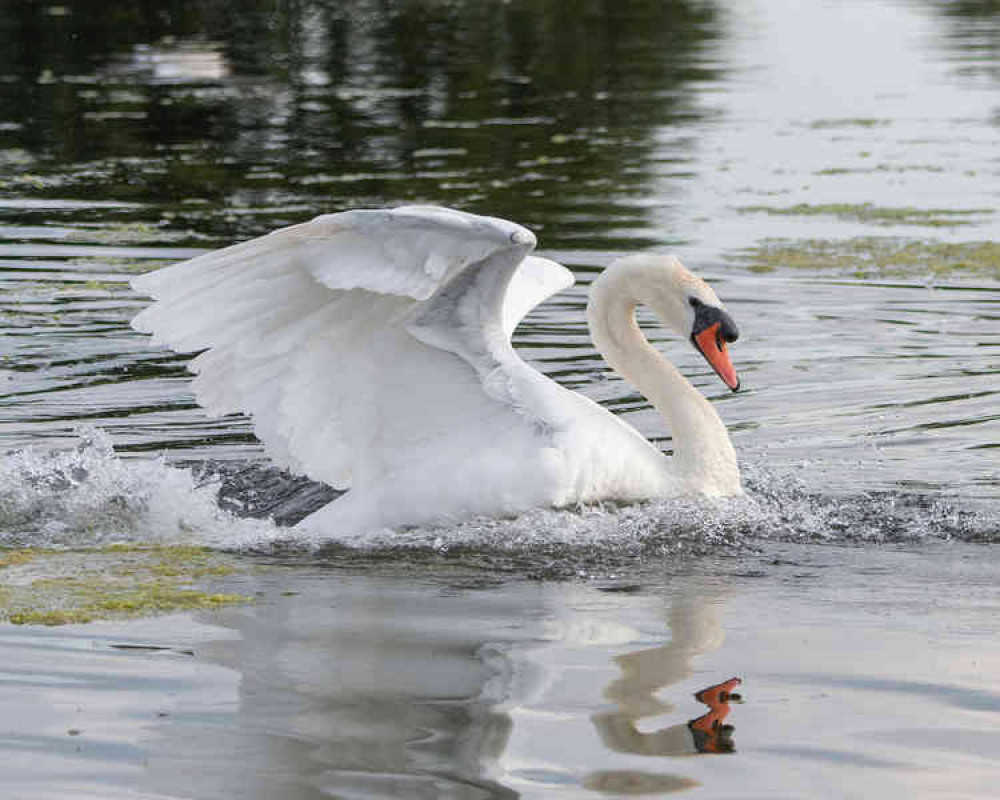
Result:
<point x="711" y="345"/>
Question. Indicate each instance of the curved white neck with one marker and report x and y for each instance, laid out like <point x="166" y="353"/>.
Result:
<point x="704" y="454"/>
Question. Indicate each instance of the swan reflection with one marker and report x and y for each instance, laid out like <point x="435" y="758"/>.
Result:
<point x="382" y="686"/>
<point x="710" y="733"/>
<point x="696" y="629"/>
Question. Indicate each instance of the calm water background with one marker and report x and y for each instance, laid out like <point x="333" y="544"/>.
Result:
<point x="832" y="167"/>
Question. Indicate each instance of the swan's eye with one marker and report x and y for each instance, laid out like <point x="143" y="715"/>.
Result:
<point x="695" y="302"/>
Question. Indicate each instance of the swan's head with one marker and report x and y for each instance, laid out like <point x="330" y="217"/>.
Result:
<point x="685" y="304"/>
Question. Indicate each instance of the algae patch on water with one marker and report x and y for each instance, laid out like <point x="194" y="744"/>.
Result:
<point x="59" y="587"/>
<point x="878" y="215"/>
<point x="898" y="169"/>
<point x="875" y="256"/>
<point x="11" y="557"/>
<point x="854" y="122"/>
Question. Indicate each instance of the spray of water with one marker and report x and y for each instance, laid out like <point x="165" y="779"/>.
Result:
<point x="89" y="496"/>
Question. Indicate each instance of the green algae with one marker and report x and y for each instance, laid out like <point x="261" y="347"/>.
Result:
<point x="882" y="168"/>
<point x="124" y="233"/>
<point x="103" y="286"/>
<point x="50" y="618"/>
<point x="859" y="122"/>
<point x="878" y="215"/>
<point x="94" y="600"/>
<point x="61" y="587"/>
<point x="132" y="266"/>
<point x="10" y="557"/>
<point x="876" y="256"/>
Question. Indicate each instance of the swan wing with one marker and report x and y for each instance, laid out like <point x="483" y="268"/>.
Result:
<point x="535" y="281"/>
<point x="360" y="342"/>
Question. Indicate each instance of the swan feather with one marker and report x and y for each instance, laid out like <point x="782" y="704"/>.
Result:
<point x="360" y="342"/>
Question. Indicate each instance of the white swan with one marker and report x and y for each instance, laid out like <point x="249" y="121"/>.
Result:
<point x="372" y="349"/>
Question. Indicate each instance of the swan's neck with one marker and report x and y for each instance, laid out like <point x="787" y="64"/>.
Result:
<point x="704" y="456"/>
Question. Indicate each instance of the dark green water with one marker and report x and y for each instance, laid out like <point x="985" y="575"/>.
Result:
<point x="224" y="121"/>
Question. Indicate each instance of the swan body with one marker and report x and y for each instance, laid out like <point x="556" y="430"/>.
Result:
<point x="372" y="349"/>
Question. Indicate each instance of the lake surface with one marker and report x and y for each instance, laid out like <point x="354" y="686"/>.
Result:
<point x="831" y="167"/>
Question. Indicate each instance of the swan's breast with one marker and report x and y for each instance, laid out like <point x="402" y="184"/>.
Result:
<point x="605" y="458"/>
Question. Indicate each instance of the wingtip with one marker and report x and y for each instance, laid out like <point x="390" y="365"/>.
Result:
<point x="137" y="284"/>
<point x="524" y="238"/>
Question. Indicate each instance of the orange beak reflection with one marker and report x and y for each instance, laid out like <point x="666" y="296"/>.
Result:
<point x="711" y="345"/>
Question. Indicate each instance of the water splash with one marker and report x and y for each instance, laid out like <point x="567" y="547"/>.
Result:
<point x="88" y="496"/>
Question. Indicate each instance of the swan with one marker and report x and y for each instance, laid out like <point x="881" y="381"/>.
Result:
<point x="372" y="350"/>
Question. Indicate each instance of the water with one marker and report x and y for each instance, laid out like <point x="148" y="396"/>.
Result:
<point x="830" y="167"/>
<point x="865" y="672"/>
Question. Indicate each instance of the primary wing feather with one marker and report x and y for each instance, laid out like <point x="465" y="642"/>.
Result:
<point x="358" y="341"/>
<point x="535" y="280"/>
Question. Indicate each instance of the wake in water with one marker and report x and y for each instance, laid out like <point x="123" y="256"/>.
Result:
<point x="89" y="497"/>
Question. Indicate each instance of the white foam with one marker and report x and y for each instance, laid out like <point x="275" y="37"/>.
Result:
<point x="89" y="496"/>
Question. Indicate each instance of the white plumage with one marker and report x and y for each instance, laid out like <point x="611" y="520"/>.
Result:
<point x="372" y="349"/>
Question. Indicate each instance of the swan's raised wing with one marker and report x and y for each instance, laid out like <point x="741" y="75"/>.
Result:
<point x="358" y="341"/>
